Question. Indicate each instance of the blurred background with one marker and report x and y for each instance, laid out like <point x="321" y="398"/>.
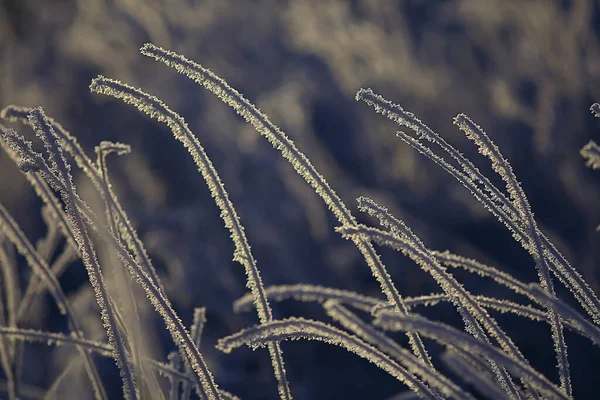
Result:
<point x="527" y="71"/>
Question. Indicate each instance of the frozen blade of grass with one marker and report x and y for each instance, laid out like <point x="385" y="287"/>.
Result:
<point x="486" y="193"/>
<point x="85" y="163"/>
<point x="102" y="151"/>
<point x="124" y="291"/>
<point x="61" y="170"/>
<point x="401" y="237"/>
<point x="156" y="109"/>
<point x="502" y="167"/>
<point x="471" y="374"/>
<point x="305" y="292"/>
<point x="300" y="328"/>
<point x="205" y="385"/>
<point x="43" y="272"/>
<point x="102" y="349"/>
<point x="452" y="337"/>
<point x="585" y="327"/>
<point x="196" y="333"/>
<point x="230" y="96"/>
<point x="378" y="339"/>
<point x="474" y="266"/>
<point x="502" y="306"/>
<point x="174" y="362"/>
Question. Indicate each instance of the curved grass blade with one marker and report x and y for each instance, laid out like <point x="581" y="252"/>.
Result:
<point x="69" y="144"/>
<point x="378" y="339"/>
<point x="471" y="374"/>
<point x="61" y="170"/>
<point x="486" y="193"/>
<point x="306" y="292"/>
<point x="535" y="246"/>
<point x="9" y="226"/>
<point x="300" y="328"/>
<point x="205" y="385"/>
<point x="156" y="109"/>
<point x="453" y="337"/>
<point x="102" y="349"/>
<point x="297" y="159"/>
<point x="402" y="238"/>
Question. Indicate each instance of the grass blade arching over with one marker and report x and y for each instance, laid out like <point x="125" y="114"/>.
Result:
<point x="156" y="109"/>
<point x="230" y="96"/>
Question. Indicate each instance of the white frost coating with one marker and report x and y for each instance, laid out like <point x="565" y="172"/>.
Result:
<point x="535" y="246"/>
<point x="70" y="144"/>
<point x="300" y="328"/>
<point x="485" y="192"/>
<point x="103" y="349"/>
<point x="389" y="347"/>
<point x="452" y="337"/>
<point x="205" y="385"/>
<point x="297" y="159"/>
<point x="196" y="333"/>
<point x="401" y="236"/>
<point x="306" y="292"/>
<point x="60" y="169"/>
<point x="156" y="109"/>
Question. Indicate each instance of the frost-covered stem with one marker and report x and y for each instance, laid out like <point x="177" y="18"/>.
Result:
<point x="378" y="339"/>
<point x="452" y="337"/>
<point x="196" y="334"/>
<point x="409" y="243"/>
<point x="156" y="109"/>
<point x="42" y="270"/>
<point x="485" y="192"/>
<point x="297" y="159"/>
<point x="61" y="170"/>
<point x="300" y="328"/>
<point x="501" y="166"/>
<point x="204" y="382"/>
<point x="471" y="371"/>
<point x="70" y="144"/>
<point x="306" y="292"/>
<point x="131" y="322"/>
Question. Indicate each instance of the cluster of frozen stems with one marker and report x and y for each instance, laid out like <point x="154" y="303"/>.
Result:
<point x="503" y="372"/>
